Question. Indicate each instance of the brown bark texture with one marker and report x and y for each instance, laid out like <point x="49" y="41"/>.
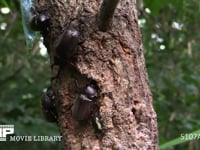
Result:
<point x="114" y="61"/>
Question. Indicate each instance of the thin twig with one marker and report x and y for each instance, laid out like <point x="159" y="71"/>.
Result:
<point x="106" y="14"/>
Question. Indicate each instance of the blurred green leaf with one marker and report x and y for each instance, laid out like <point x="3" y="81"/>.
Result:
<point x="182" y="139"/>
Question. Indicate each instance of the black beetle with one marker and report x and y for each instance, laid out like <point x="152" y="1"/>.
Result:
<point x="66" y="46"/>
<point x="39" y="21"/>
<point x="49" y="106"/>
<point x="85" y="103"/>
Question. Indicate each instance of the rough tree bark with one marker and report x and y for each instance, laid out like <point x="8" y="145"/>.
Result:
<point x="114" y="60"/>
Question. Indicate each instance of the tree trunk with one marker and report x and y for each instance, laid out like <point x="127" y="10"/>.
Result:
<point x="114" y="61"/>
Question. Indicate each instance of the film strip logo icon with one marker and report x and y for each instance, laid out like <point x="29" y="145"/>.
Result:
<point x="5" y="130"/>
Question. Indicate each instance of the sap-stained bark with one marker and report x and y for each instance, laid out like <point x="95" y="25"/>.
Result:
<point x="114" y="59"/>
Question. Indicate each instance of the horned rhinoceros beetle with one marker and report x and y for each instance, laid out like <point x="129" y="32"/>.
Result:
<point x="85" y="102"/>
<point x="66" y="46"/>
<point x="39" y="21"/>
<point x="49" y="106"/>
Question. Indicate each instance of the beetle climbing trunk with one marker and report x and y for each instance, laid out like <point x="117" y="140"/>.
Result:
<point x="121" y="115"/>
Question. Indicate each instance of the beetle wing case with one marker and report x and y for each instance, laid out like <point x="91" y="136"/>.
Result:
<point x="82" y="108"/>
<point x="48" y="106"/>
<point x="66" y="45"/>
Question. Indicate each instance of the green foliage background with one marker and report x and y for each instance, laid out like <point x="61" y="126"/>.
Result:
<point x="174" y="71"/>
<point x="24" y="75"/>
<point x="171" y="44"/>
